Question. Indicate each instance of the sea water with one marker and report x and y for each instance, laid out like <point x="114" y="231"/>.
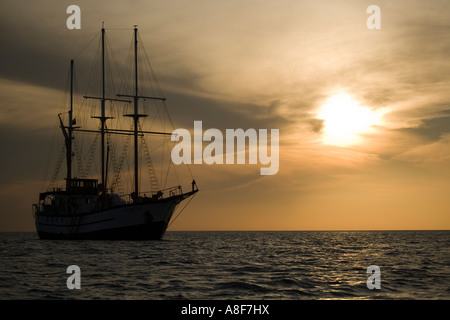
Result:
<point x="297" y="265"/>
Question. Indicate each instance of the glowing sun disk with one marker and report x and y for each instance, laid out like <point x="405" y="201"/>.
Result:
<point x="345" y="120"/>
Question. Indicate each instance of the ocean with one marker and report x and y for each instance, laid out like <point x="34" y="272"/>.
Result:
<point x="263" y="265"/>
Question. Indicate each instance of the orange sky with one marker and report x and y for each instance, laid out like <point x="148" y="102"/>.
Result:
<point x="265" y="65"/>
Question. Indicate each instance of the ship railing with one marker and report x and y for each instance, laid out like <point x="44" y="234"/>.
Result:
<point x="153" y="195"/>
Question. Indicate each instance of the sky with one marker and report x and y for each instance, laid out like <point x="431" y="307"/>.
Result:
<point x="363" y="114"/>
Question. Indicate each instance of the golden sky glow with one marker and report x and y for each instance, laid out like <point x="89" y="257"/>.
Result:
<point x="364" y="115"/>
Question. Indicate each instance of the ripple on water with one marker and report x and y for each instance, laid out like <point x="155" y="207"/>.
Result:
<point x="231" y="265"/>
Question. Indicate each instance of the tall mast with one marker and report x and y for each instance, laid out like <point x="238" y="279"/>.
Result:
<point x="68" y="133"/>
<point x="136" y="117"/>
<point x="69" y="142"/>
<point x="103" y="118"/>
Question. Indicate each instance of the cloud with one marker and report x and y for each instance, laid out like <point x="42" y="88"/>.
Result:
<point x="24" y="154"/>
<point x="436" y="151"/>
<point x="432" y="129"/>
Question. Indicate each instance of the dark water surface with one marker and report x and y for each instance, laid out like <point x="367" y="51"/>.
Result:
<point x="231" y="265"/>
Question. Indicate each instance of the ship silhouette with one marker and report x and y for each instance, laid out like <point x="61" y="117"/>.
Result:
<point x="88" y="207"/>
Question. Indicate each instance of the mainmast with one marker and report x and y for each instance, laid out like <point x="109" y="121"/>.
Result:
<point x="136" y="116"/>
<point x="68" y="133"/>
<point x="102" y="117"/>
<point x="69" y="144"/>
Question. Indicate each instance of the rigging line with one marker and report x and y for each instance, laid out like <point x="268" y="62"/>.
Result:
<point x="167" y="175"/>
<point x="157" y="115"/>
<point x="182" y="210"/>
<point x="150" y="66"/>
<point x="152" y="174"/>
<point x="93" y="77"/>
<point x="78" y="143"/>
<point x="116" y="65"/>
<point x="77" y="74"/>
<point x="112" y="152"/>
<point x="185" y="164"/>
<point x="83" y="105"/>
<point x="150" y="76"/>
<point x="123" y="86"/>
<point x="110" y="59"/>
<point x="58" y="167"/>
<point x="129" y="181"/>
<point x="76" y="89"/>
<point x="155" y="147"/>
<point x="173" y="128"/>
<point x="162" y="163"/>
<point x="64" y="102"/>
<point x="52" y="146"/>
<point x="84" y="48"/>
<point x="119" y="29"/>
<point x="55" y="135"/>
<point x="118" y="166"/>
<point x="90" y="156"/>
<point x="78" y="157"/>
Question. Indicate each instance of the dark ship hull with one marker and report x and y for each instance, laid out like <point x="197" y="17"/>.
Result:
<point x="146" y="220"/>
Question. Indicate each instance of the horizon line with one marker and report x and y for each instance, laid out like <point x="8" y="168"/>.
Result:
<point x="312" y="230"/>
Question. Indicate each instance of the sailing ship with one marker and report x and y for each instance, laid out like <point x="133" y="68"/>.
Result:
<point x="88" y="207"/>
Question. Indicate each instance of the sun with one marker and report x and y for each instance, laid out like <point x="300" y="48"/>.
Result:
<point x="345" y="121"/>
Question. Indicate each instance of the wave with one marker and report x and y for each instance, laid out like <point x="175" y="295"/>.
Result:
<point x="235" y="265"/>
